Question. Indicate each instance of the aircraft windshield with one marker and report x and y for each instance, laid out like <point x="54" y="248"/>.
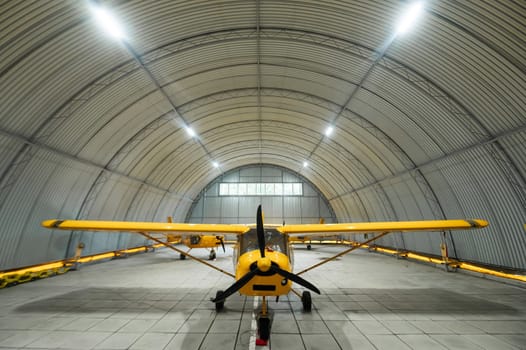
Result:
<point x="274" y="240"/>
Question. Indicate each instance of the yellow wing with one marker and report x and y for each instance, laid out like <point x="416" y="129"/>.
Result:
<point x="387" y="226"/>
<point x="133" y="226"/>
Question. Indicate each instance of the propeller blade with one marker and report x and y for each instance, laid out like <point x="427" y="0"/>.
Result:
<point x="260" y="232"/>
<point x="295" y="278"/>
<point x="222" y="240"/>
<point x="236" y="286"/>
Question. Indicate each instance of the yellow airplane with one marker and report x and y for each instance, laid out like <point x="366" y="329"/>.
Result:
<point x="263" y="261"/>
<point x="310" y="238"/>
<point x="198" y="241"/>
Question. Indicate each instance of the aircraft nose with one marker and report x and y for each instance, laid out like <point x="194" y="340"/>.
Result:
<point x="264" y="264"/>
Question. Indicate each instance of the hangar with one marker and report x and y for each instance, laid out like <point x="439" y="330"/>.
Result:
<point x="350" y="111"/>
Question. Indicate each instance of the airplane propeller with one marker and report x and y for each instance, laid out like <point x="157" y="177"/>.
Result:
<point x="222" y="240"/>
<point x="260" y="232"/>
<point x="263" y="266"/>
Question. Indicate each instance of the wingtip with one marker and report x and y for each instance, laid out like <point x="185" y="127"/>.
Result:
<point x="478" y="223"/>
<point x="483" y="223"/>
<point x="51" y="223"/>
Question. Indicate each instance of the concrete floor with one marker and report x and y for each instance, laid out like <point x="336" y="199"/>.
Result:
<point x="368" y="301"/>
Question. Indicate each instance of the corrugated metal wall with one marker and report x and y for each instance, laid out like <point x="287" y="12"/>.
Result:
<point x="466" y="186"/>
<point x="50" y="186"/>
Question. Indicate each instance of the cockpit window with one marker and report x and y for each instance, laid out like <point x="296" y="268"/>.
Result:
<point x="274" y="240"/>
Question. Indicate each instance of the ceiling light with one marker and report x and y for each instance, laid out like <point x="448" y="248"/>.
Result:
<point x="215" y="164"/>
<point x="409" y="18"/>
<point x="190" y="131"/>
<point x="107" y="21"/>
<point x="305" y="164"/>
<point x="329" y="131"/>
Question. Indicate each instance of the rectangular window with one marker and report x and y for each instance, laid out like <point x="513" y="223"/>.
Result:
<point x="232" y="189"/>
<point x="261" y="189"/>
<point x="278" y="189"/>
<point x="297" y="189"/>
<point x="223" y="189"/>
<point x="251" y="189"/>
<point x="242" y="189"/>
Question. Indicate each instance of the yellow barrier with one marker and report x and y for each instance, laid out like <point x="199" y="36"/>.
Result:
<point x="450" y="262"/>
<point x="26" y="274"/>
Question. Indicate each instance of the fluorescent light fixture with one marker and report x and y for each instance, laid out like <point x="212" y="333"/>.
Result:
<point x="329" y="131"/>
<point x="409" y="18"/>
<point x="107" y="21"/>
<point x="215" y="164"/>
<point x="305" y="164"/>
<point x="190" y="131"/>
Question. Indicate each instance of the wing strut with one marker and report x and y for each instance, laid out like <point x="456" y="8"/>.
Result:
<point x="344" y="252"/>
<point x="167" y="245"/>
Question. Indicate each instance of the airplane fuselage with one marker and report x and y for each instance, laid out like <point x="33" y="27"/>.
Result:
<point x="264" y="284"/>
<point x="277" y="252"/>
<point x="201" y="241"/>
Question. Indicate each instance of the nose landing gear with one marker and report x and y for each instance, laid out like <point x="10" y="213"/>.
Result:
<point x="263" y="323"/>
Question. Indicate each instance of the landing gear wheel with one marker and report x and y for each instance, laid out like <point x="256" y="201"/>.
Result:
<point x="309" y="247"/>
<point x="306" y="301"/>
<point x="182" y="256"/>
<point x="221" y="304"/>
<point x="264" y="328"/>
<point x="212" y="255"/>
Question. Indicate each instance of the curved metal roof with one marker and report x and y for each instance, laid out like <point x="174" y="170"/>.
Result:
<point x="430" y="124"/>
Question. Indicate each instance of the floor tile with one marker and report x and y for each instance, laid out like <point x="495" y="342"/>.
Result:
<point x="320" y="342"/>
<point x="109" y="325"/>
<point x="490" y="342"/>
<point x="152" y="341"/>
<point x="119" y="341"/>
<point x="353" y="341"/>
<point x="182" y="341"/>
<point x="421" y="341"/>
<point x="286" y="341"/>
<point x="371" y="327"/>
<point x="401" y="327"/>
<point x="218" y="341"/>
<point x="312" y="327"/>
<point x="20" y="339"/>
<point x="455" y="342"/>
<point x="387" y="342"/>
<point x="431" y="327"/>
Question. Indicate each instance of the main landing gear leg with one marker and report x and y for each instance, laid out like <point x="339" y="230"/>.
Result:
<point x="263" y="321"/>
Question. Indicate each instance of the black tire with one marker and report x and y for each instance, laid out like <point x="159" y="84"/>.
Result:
<point x="264" y="328"/>
<point x="182" y="256"/>
<point x="309" y="247"/>
<point x="212" y="256"/>
<point x="306" y="300"/>
<point x="219" y="305"/>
